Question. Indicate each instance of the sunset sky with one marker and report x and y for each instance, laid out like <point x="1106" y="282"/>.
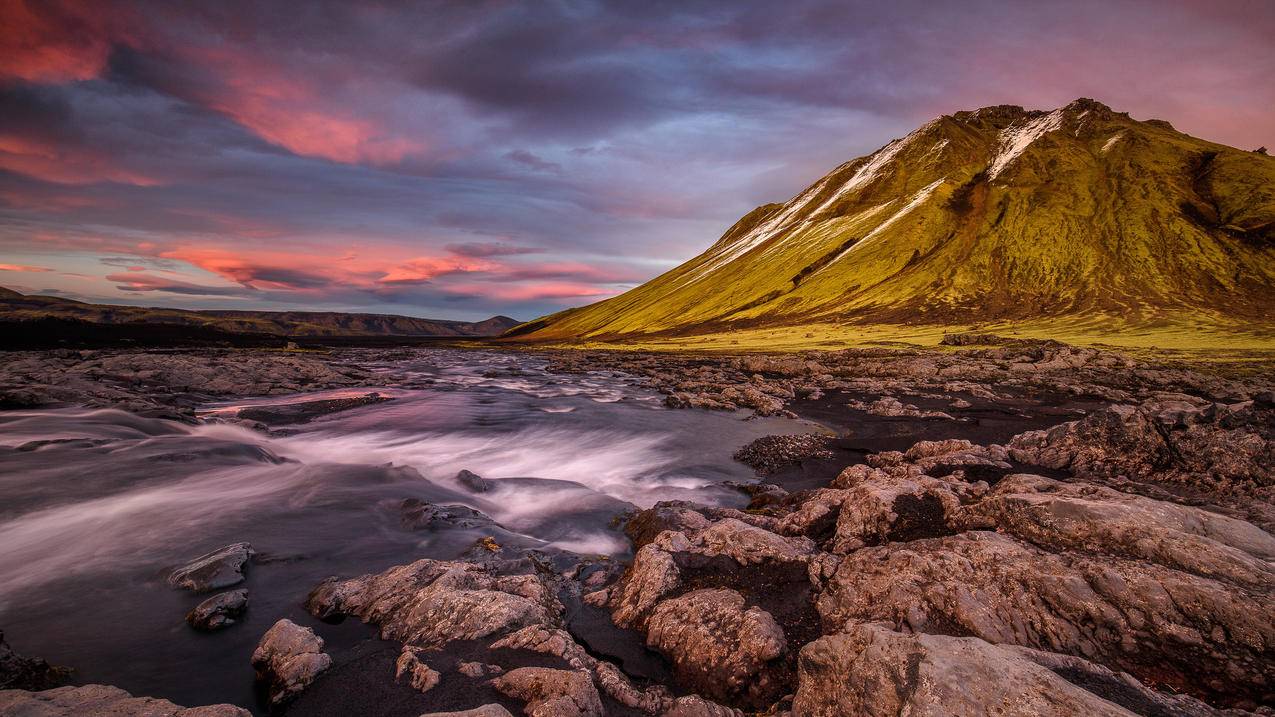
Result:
<point x="462" y="159"/>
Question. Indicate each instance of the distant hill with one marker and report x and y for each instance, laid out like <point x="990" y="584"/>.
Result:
<point x="24" y="307"/>
<point x="996" y="215"/>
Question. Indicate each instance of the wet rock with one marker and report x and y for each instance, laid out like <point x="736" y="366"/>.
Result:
<point x="552" y="693"/>
<point x="1089" y="518"/>
<point x="871" y="669"/>
<point x="27" y="673"/>
<point x="473" y="481"/>
<point x="419" y="675"/>
<point x="771" y="454"/>
<point x="1194" y="633"/>
<point x="719" y="647"/>
<point x="416" y="514"/>
<point x="306" y="411"/>
<point x="219" y="611"/>
<point x="430" y="603"/>
<point x="102" y="700"/>
<point x="221" y="568"/>
<point x="288" y="659"/>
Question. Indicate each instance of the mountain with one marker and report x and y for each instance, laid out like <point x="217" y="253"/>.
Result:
<point x="997" y="216"/>
<point x="21" y="307"/>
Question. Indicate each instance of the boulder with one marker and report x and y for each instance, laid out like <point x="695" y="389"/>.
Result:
<point x="430" y="603"/>
<point x="895" y="503"/>
<point x="219" y="611"/>
<point x="102" y="700"/>
<point x="1089" y="518"/>
<point x="473" y="481"/>
<point x="551" y="693"/>
<point x="221" y="568"/>
<point x="872" y="670"/>
<point x="1193" y="633"/>
<point x="288" y="659"/>
<point x="719" y="647"/>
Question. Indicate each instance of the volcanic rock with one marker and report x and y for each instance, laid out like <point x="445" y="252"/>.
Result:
<point x="430" y="603"/>
<point x="102" y="700"/>
<point x="289" y="658"/>
<point x="552" y="693"/>
<point x="718" y="647"/>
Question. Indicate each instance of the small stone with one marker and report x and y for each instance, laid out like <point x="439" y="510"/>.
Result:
<point x="219" y="611"/>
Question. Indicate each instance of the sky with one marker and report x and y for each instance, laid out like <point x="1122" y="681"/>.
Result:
<point x="479" y="157"/>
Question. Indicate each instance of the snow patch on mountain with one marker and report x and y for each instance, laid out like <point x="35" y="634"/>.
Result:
<point x="1015" y="139"/>
<point x="917" y="200"/>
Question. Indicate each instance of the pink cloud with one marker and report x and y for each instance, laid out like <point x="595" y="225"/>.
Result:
<point x="22" y="268"/>
<point x="63" y="165"/>
<point x="53" y="41"/>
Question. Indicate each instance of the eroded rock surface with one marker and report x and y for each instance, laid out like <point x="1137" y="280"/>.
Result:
<point x="102" y="700"/>
<point x="719" y="647"/>
<point x="873" y="670"/>
<point x="430" y="603"/>
<point x="552" y="693"/>
<point x="289" y="658"/>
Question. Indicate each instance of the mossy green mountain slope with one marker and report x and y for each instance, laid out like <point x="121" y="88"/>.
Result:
<point x="996" y="215"/>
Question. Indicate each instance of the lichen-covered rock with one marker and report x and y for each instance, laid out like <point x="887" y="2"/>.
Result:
<point x="430" y="603"/>
<point x="102" y="700"/>
<point x="552" y="693"/>
<point x="719" y="647"/>
<point x="219" y="611"/>
<point x="1194" y="633"/>
<point x="221" y="568"/>
<point x="288" y="659"/>
<point x="872" y="670"/>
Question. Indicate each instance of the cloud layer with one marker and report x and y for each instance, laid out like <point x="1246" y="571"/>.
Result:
<point x="463" y="159"/>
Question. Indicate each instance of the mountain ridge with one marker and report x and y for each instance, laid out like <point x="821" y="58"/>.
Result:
<point x="15" y="306"/>
<point x="996" y="214"/>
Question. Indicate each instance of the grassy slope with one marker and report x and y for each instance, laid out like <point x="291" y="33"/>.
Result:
<point x="1104" y="229"/>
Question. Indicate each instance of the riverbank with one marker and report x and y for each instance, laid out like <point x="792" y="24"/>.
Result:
<point x="1012" y="513"/>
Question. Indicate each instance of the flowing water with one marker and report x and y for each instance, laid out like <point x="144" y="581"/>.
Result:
<point x="96" y="506"/>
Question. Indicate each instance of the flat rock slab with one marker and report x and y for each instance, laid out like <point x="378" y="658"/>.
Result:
<point x="221" y="568"/>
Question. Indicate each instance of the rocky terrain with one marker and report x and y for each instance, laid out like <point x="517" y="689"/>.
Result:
<point x="1025" y="528"/>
